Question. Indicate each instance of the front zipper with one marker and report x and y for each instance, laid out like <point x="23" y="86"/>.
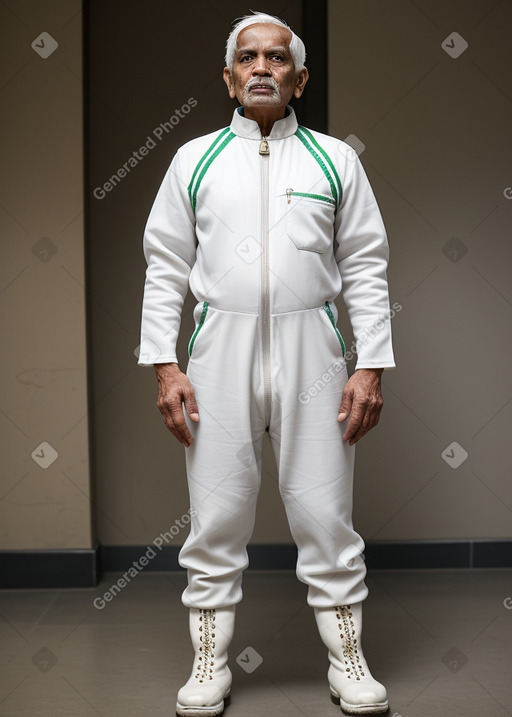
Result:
<point x="198" y="328"/>
<point x="333" y="322"/>
<point x="320" y="197"/>
<point x="264" y="151"/>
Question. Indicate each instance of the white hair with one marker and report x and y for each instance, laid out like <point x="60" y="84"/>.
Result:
<point x="297" y="49"/>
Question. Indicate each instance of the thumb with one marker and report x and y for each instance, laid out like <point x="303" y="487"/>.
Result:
<point x="345" y="406"/>
<point x="191" y="407"/>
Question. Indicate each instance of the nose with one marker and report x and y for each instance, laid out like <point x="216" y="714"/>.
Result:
<point x="261" y="67"/>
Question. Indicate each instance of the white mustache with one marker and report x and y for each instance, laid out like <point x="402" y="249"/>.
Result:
<point x="269" y="82"/>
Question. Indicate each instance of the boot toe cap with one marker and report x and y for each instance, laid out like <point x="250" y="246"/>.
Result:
<point x="197" y="697"/>
<point x="361" y="694"/>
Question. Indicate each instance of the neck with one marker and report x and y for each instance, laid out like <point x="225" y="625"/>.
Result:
<point x="265" y="117"/>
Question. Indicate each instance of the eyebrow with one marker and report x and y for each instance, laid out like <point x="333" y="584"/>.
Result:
<point x="248" y="51"/>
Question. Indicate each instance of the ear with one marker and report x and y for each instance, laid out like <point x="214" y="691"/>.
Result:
<point x="300" y="82"/>
<point x="229" y="82"/>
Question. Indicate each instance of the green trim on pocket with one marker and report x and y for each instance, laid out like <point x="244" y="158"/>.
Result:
<point x="198" y="328"/>
<point x="333" y="322"/>
<point x="320" y="197"/>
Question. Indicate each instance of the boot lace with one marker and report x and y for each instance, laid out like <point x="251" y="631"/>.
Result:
<point x="205" y="664"/>
<point x="353" y="665"/>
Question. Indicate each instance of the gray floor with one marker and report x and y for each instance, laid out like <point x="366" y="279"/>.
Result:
<point x="439" y="640"/>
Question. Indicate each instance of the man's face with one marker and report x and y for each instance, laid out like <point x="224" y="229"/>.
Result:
<point x="263" y="72"/>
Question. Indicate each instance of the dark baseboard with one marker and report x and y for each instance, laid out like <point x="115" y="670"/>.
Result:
<point x="83" y="568"/>
<point x="424" y="554"/>
<point x="80" y="568"/>
<point x="379" y="555"/>
<point x="261" y="557"/>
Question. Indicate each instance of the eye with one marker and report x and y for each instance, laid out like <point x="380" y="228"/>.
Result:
<point x="276" y="57"/>
<point x="245" y="57"/>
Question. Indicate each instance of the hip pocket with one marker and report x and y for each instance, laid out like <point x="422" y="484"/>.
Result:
<point x="329" y="306"/>
<point x="203" y="308"/>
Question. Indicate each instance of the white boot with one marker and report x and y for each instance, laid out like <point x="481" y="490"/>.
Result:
<point x="209" y="684"/>
<point x="349" y="677"/>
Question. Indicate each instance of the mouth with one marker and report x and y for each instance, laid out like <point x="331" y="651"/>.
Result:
<point x="261" y="88"/>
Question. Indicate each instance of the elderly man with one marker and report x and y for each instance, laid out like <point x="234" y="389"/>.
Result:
<point x="268" y="222"/>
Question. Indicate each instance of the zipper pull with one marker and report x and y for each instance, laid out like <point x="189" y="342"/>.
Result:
<point x="289" y="195"/>
<point x="264" y="148"/>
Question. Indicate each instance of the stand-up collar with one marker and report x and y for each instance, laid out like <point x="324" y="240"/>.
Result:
<point x="249" y="129"/>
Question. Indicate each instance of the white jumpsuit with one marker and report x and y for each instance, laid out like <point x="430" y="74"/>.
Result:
<point x="266" y="231"/>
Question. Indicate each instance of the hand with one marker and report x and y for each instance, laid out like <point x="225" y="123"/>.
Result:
<point x="362" y="399"/>
<point x="174" y="389"/>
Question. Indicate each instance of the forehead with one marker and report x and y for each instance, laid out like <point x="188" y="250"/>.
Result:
<point x="264" y="34"/>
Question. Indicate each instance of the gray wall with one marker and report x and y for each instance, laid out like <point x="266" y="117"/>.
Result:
<point x="45" y="492"/>
<point x="437" y="136"/>
<point x="438" y="147"/>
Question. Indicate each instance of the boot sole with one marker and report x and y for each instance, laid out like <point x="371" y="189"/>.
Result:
<point x="200" y="711"/>
<point x="373" y="708"/>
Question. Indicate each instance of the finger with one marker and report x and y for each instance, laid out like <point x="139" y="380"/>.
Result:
<point x="346" y="405"/>
<point x="178" y="435"/>
<point x="360" y="431"/>
<point x="356" y="419"/>
<point x="358" y="435"/>
<point x="369" y="421"/>
<point x="191" y="405"/>
<point x="175" y="422"/>
<point x="180" y="425"/>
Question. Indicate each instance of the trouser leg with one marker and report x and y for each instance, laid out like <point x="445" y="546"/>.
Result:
<point x="315" y="464"/>
<point x="224" y="461"/>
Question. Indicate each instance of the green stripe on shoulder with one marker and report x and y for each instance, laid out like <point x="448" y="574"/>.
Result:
<point x="330" y="171"/>
<point x="205" y="155"/>
<point x="203" y="159"/>
<point x="210" y="159"/>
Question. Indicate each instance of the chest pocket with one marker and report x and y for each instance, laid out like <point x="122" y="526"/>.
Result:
<point x="310" y="221"/>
